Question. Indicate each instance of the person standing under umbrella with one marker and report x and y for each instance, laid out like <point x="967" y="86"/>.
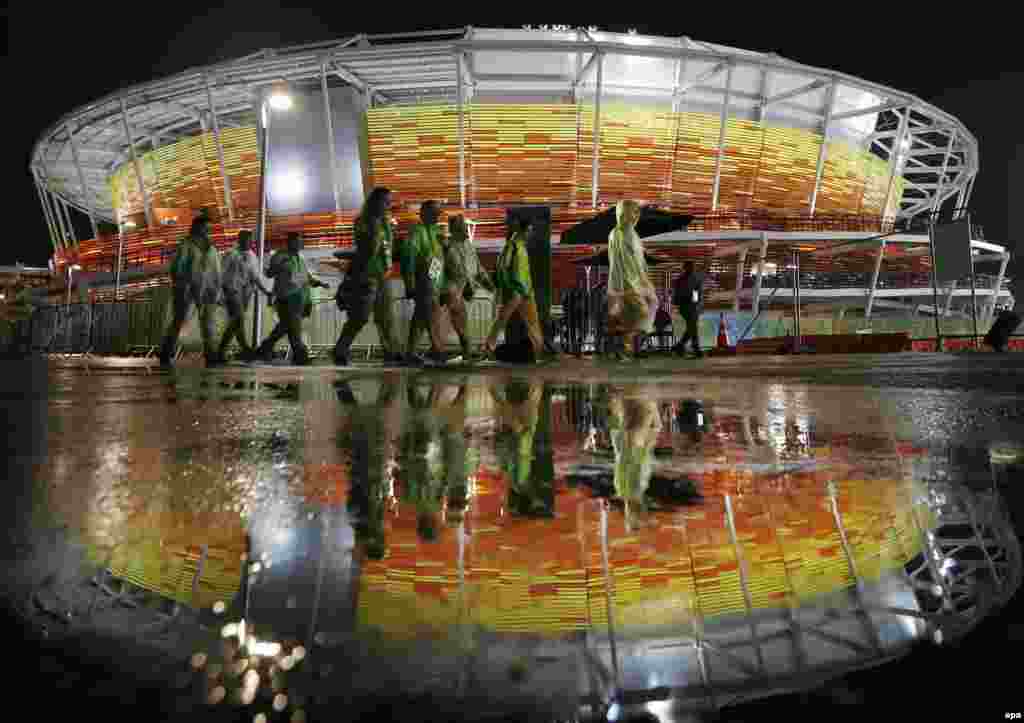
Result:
<point x="632" y="300"/>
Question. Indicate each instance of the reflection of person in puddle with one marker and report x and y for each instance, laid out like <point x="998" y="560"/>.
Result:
<point x="634" y="423"/>
<point x="530" y="471"/>
<point x="371" y="444"/>
<point x="432" y="451"/>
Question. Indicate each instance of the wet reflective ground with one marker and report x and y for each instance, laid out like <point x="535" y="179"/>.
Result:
<point x="579" y="541"/>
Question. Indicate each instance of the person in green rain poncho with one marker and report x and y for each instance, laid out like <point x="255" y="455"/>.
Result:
<point x="195" y="282"/>
<point x="634" y="424"/>
<point x="632" y="300"/>
<point x="370" y="441"/>
<point x="423" y="270"/>
<point x="292" y="299"/>
<point x="515" y="289"/>
<point x="420" y="458"/>
<point x="531" y="475"/>
<point x="366" y="288"/>
<point x="464" y="275"/>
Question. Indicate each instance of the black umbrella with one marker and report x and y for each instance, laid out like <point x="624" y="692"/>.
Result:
<point x="601" y="259"/>
<point x="653" y="221"/>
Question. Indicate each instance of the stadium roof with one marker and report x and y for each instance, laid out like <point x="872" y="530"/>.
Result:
<point x="74" y="157"/>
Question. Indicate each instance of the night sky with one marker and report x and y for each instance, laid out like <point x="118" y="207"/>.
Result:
<point x="64" y="58"/>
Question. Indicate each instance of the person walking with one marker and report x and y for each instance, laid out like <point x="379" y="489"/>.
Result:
<point x="240" y="277"/>
<point x="366" y="289"/>
<point x="195" y="282"/>
<point x="464" y="275"/>
<point x="632" y="300"/>
<point x="292" y="299"/>
<point x="423" y="270"/>
<point x="688" y="296"/>
<point x="515" y="290"/>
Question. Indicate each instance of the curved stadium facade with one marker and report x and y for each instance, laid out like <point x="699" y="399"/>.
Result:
<point x="769" y="156"/>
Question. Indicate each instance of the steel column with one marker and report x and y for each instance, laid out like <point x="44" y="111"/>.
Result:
<point x="46" y="212"/>
<point x="65" y="237"/>
<point x="67" y="219"/>
<point x="739" y="278"/>
<point x="949" y="300"/>
<point x="329" y="121"/>
<point x="741" y="562"/>
<point x="135" y="162"/>
<point x="942" y="176"/>
<point x="460" y="99"/>
<point x="81" y="181"/>
<point x="716" y="185"/>
<point x="830" y="99"/>
<point x="756" y="306"/>
<point x="680" y="66"/>
<point x="120" y="256"/>
<point x="58" y="220"/>
<point x="263" y="121"/>
<point x="874" y="279"/>
<point x="894" y="156"/>
<point x="220" y="149"/>
<point x="990" y="312"/>
<point x="595" y="171"/>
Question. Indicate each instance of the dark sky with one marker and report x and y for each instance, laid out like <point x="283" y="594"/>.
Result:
<point x="970" y="68"/>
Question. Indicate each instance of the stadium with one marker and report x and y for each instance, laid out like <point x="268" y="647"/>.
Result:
<point x="807" y="192"/>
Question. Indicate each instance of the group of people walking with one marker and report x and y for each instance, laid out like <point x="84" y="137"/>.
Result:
<point x="441" y="273"/>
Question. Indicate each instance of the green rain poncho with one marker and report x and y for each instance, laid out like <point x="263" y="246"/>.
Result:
<point x="634" y="425"/>
<point x="632" y="299"/>
<point x="373" y="250"/>
<point x="291" y="277"/>
<point x="423" y="260"/>
<point x="196" y="267"/>
<point x="462" y="264"/>
<point x="512" y="275"/>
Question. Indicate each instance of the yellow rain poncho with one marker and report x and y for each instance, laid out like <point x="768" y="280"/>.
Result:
<point x="632" y="301"/>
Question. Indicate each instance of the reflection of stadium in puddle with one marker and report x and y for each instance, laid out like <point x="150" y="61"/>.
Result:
<point x="608" y="545"/>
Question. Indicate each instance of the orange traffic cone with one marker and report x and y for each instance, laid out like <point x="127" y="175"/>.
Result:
<point x="723" y="336"/>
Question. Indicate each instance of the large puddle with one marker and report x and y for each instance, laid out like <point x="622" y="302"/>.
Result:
<point x="576" y="548"/>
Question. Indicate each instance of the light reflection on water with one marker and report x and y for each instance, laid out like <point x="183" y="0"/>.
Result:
<point x="562" y="542"/>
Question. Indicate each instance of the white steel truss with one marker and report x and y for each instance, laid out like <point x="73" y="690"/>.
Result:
<point x="402" y="67"/>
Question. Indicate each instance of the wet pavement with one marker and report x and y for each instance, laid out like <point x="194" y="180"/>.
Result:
<point x="582" y="540"/>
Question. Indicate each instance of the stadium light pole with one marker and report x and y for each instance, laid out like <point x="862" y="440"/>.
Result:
<point x="277" y="97"/>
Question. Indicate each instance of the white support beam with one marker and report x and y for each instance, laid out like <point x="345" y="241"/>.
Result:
<point x="228" y="201"/>
<point x="585" y="71"/>
<point x="949" y="299"/>
<point x="830" y="98"/>
<point x="52" y="198"/>
<point x="942" y="176"/>
<point x="707" y="75"/>
<point x="894" y="162"/>
<point x="881" y="108"/>
<point x="739" y="279"/>
<point x="138" y="167"/>
<point x="763" y="94"/>
<point x="46" y="211"/>
<point x="72" y="234"/>
<point x="81" y="181"/>
<point x="990" y="307"/>
<point x="802" y="90"/>
<point x="460" y="100"/>
<point x="762" y="257"/>
<point x="329" y="121"/>
<point x="717" y="183"/>
<point x="874" y="280"/>
<point x="596" y="167"/>
<point x="740" y="248"/>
